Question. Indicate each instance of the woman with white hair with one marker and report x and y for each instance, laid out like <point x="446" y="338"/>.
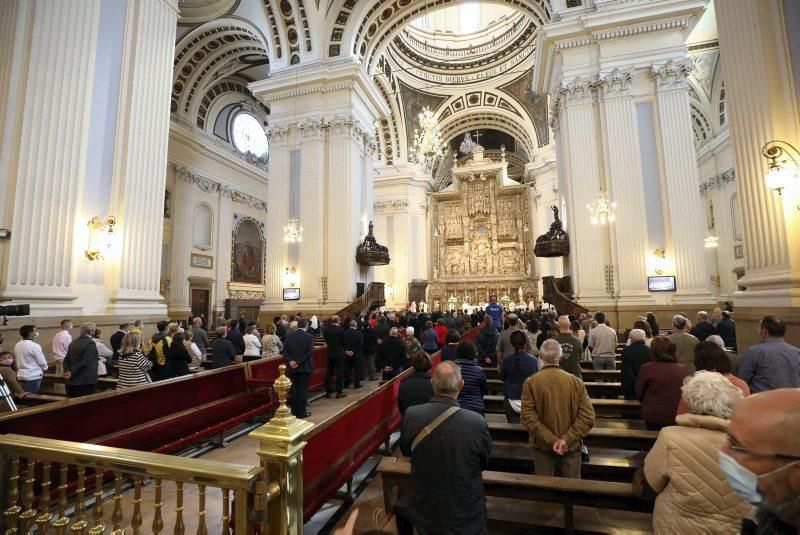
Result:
<point x="683" y="467"/>
<point x="411" y="343"/>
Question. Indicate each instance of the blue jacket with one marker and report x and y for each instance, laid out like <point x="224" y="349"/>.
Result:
<point x="516" y="369"/>
<point x="430" y="341"/>
<point x="298" y="347"/>
<point x="475" y="386"/>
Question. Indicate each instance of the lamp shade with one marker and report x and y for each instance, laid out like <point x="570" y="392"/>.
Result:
<point x="778" y="177"/>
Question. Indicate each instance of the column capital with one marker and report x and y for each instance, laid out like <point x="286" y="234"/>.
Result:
<point x="313" y="129"/>
<point x="578" y="91"/>
<point x="672" y="74"/>
<point x="616" y="83"/>
<point x="278" y="134"/>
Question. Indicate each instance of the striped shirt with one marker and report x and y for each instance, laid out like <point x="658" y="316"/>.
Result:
<point x="133" y="369"/>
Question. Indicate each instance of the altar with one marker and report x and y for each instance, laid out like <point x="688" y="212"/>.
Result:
<point x="481" y="243"/>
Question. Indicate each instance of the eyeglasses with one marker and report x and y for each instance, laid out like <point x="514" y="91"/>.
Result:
<point x="734" y="446"/>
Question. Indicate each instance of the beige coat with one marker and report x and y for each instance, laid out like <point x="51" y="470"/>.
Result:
<point x="683" y="468"/>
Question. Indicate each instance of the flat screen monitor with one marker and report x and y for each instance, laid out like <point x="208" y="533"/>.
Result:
<point x="291" y="294"/>
<point x="661" y="284"/>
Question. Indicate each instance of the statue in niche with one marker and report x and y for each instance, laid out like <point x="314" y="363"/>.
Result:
<point x="435" y="273"/>
<point x="508" y="261"/>
<point x="455" y="263"/>
<point x="481" y="264"/>
<point x="167" y="195"/>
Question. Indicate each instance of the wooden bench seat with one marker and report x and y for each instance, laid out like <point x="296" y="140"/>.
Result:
<point x="567" y="492"/>
<point x="606" y="464"/>
<point x="34" y="400"/>
<point x="588" y="375"/>
<point x="610" y="423"/>
<point x="600" y="437"/>
<point x="594" y="389"/>
<point x="622" y="408"/>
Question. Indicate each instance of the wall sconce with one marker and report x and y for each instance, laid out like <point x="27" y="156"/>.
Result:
<point x="291" y="278"/>
<point x="660" y="262"/>
<point x="101" y="236"/>
<point x="780" y="175"/>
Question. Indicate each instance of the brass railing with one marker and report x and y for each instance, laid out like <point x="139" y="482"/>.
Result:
<point x="45" y="484"/>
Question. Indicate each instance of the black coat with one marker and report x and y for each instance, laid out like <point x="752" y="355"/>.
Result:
<point x="177" y="361"/>
<point x="703" y="330"/>
<point x="486" y="343"/>
<point x="223" y="353"/>
<point x="726" y="328"/>
<point x="392" y="352"/>
<point x="634" y="357"/>
<point x="382" y="330"/>
<point x="353" y="341"/>
<point x="447" y="498"/>
<point x="370" y="341"/>
<point x="235" y="337"/>
<point x="333" y="339"/>
<point x="299" y="347"/>
<point x="280" y="330"/>
<point x="81" y="361"/>
<point x="416" y="390"/>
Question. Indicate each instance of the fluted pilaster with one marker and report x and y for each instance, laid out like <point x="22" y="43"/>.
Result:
<point x="686" y="211"/>
<point x="312" y="187"/>
<point x="181" y="247"/>
<point x="761" y="107"/>
<point x="588" y="242"/>
<point x="48" y="72"/>
<point x="626" y="186"/>
<point x="278" y="196"/>
<point x="140" y="161"/>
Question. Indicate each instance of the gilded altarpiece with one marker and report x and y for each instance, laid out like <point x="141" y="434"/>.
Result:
<point x="481" y="239"/>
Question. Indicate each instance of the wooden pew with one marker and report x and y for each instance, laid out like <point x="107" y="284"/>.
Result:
<point x="618" y="408"/>
<point x="568" y="492"/>
<point x="34" y="400"/>
<point x="594" y="389"/>
<point x="600" y="437"/>
<point x="588" y="375"/>
<point x="605" y="464"/>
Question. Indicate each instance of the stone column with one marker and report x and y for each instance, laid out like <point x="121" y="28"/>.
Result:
<point x="761" y="90"/>
<point x="46" y="78"/>
<point x="181" y="248"/>
<point x="140" y="161"/>
<point x="278" y="199"/>
<point x="342" y="227"/>
<point x="626" y="186"/>
<point x="312" y="203"/>
<point x="588" y="243"/>
<point x="686" y="212"/>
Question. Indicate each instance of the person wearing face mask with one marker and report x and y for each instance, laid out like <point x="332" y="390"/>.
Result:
<point x="761" y="460"/>
<point x="9" y="375"/>
<point x="773" y="363"/>
<point x="29" y="359"/>
<point x="682" y="465"/>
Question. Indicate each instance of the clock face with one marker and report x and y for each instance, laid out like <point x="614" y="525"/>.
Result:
<point x="249" y="136"/>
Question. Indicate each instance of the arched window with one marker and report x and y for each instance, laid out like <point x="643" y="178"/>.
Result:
<point x="203" y="226"/>
<point x="722" y="117"/>
<point x="736" y="217"/>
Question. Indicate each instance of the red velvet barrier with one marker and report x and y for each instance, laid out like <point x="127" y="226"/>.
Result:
<point x="338" y="447"/>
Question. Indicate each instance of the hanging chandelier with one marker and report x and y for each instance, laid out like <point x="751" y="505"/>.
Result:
<point x="293" y="232"/>
<point x="428" y="146"/>
<point x="711" y="240"/>
<point x="602" y="209"/>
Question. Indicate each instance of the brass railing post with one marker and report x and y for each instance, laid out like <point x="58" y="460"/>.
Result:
<point x="281" y="451"/>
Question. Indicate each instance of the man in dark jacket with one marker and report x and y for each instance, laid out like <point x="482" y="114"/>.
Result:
<point x="446" y="497"/>
<point x="80" y="364"/>
<point x="417" y="389"/>
<point x="297" y="353"/>
<point x="634" y="357"/>
<point x="116" y="339"/>
<point x="200" y="337"/>
<point x="235" y="337"/>
<point x="223" y="352"/>
<point x="353" y="344"/>
<point x="333" y="339"/>
<point x="370" y="349"/>
<point x="726" y="328"/>
<point x="703" y="328"/>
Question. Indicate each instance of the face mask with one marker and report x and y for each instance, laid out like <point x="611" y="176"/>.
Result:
<point x="7" y="362"/>
<point x="36" y="335"/>
<point x="742" y="480"/>
<point x="745" y="483"/>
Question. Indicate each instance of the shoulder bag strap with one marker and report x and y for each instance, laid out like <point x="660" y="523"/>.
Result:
<point x="428" y="429"/>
